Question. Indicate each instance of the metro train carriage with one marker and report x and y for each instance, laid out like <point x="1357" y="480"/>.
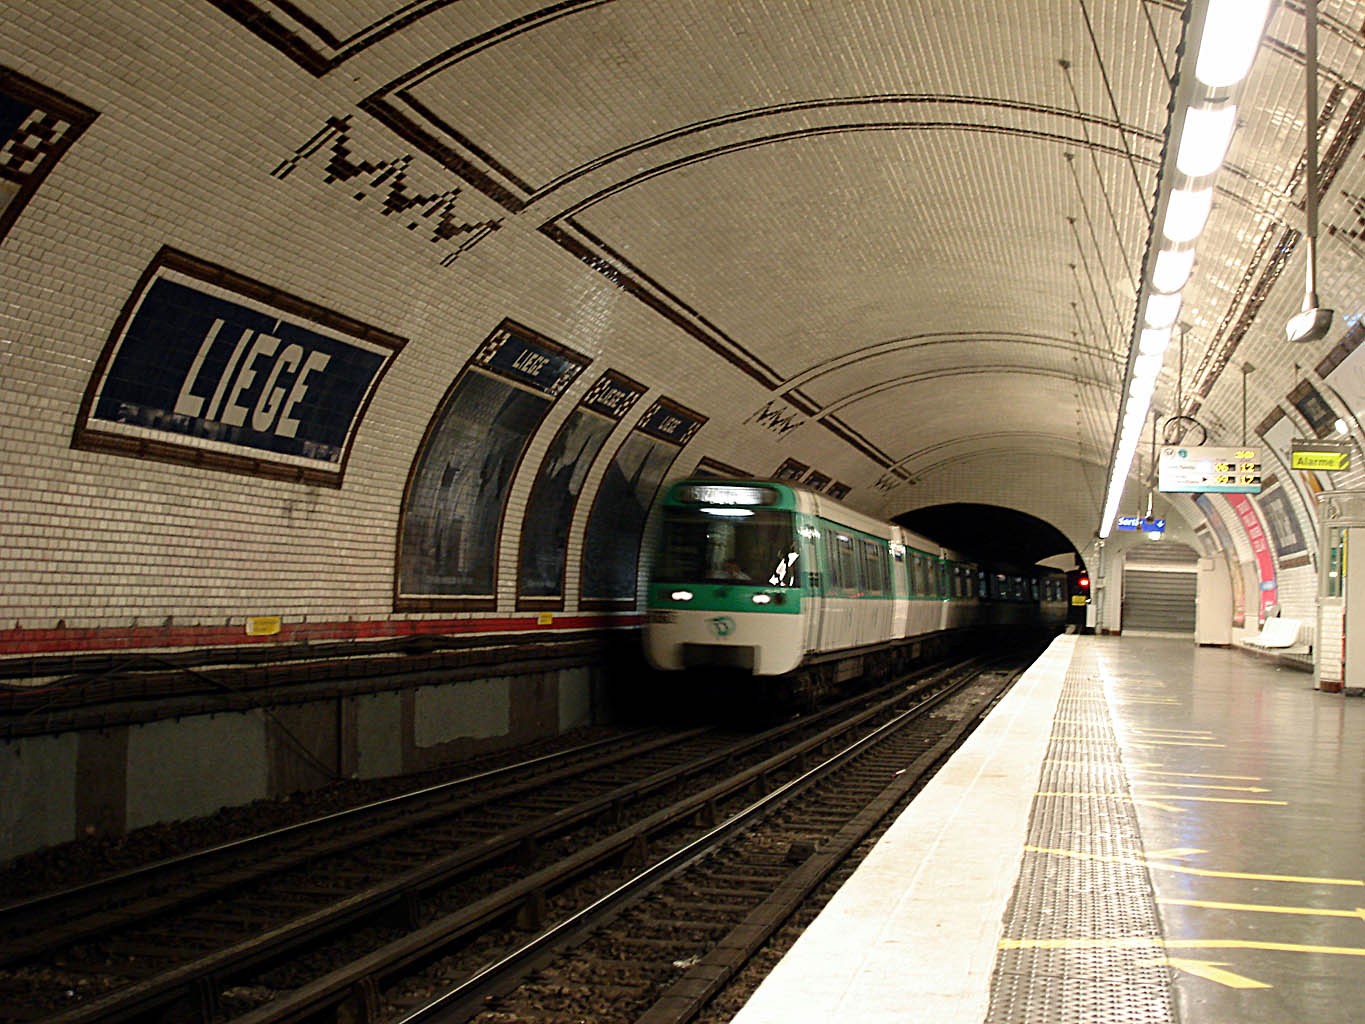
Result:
<point x="776" y="580"/>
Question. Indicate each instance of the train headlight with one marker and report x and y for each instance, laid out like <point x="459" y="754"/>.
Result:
<point x="681" y="595"/>
<point x="762" y="599"/>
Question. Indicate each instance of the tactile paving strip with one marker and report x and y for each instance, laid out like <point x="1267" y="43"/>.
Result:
<point x="1089" y="940"/>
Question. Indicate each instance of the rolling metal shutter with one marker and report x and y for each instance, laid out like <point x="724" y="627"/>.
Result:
<point x="1159" y="593"/>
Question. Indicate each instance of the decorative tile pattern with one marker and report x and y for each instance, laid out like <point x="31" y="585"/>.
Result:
<point x="37" y="126"/>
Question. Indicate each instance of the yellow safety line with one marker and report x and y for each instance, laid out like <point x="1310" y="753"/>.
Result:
<point x="1183" y="870"/>
<point x="1209" y="970"/>
<point x="1196" y="775"/>
<point x="1262" y="908"/>
<point x="1181" y="796"/>
<point x="1149" y="942"/>
<point x="1175" y="853"/>
<point x="1197" y="785"/>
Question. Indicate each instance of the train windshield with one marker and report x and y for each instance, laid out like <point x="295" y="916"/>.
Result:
<point x="725" y="545"/>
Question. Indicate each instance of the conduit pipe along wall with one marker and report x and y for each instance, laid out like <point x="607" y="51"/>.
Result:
<point x="1222" y="38"/>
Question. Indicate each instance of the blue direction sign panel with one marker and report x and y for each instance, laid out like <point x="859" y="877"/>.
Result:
<point x="1138" y="523"/>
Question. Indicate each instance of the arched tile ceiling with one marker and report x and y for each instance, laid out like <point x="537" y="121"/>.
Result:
<point x="919" y="225"/>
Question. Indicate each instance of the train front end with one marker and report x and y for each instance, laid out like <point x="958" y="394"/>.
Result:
<point x="725" y="591"/>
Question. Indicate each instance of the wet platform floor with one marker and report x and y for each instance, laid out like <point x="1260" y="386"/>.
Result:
<point x="1144" y="830"/>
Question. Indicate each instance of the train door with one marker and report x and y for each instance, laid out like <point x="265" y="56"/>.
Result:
<point x="816" y="572"/>
<point x="900" y="590"/>
<point x="945" y="591"/>
<point x="836" y="624"/>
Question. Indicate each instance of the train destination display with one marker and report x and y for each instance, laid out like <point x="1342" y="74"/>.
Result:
<point x="1198" y="469"/>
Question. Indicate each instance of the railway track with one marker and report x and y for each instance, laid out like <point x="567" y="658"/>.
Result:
<point x="450" y="879"/>
<point x="664" y="945"/>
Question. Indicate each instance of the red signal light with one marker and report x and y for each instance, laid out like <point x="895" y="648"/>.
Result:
<point x="1083" y="582"/>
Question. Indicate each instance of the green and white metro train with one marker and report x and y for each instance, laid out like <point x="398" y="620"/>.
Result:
<point x="769" y="577"/>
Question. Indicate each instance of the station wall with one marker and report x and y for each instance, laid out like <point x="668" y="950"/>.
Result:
<point x="104" y="782"/>
<point x="197" y="156"/>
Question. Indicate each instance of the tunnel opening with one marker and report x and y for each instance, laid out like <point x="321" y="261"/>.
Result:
<point x="993" y="534"/>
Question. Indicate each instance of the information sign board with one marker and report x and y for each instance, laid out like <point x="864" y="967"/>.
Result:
<point x="1196" y="469"/>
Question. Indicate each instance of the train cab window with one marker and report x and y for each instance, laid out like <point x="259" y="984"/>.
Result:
<point x="698" y="545"/>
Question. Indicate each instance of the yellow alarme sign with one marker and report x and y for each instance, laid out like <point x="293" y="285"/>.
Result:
<point x="1319" y="460"/>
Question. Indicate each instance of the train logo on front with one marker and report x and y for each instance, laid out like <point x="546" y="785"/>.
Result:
<point x="721" y="625"/>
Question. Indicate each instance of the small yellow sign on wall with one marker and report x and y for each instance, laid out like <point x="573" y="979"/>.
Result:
<point x="1319" y="460"/>
<point x="545" y="618"/>
<point x="263" y="625"/>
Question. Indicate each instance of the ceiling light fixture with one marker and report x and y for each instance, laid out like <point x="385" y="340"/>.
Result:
<point x="1208" y="130"/>
<point x="1232" y="29"/>
<point x="1162" y="310"/>
<point x="1186" y="212"/>
<point x="1172" y="269"/>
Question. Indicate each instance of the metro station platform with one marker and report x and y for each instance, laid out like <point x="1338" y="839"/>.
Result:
<point x="1142" y="830"/>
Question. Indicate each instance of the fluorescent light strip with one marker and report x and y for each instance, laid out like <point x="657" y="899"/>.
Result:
<point x="1232" y="30"/>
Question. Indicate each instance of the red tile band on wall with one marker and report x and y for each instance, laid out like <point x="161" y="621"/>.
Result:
<point x="56" y="641"/>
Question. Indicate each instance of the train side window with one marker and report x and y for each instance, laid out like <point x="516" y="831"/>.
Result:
<point x="844" y="562"/>
<point x="874" y="562"/>
<point x="853" y="570"/>
<point x="836" y="579"/>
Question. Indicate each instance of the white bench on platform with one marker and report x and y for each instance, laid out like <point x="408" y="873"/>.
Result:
<point x="1277" y="633"/>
